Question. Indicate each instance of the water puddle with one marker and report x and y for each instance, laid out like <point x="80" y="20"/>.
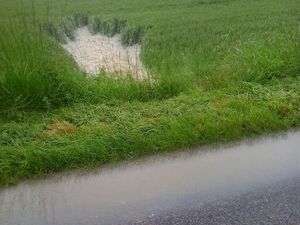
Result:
<point x="94" y="53"/>
<point x="152" y="185"/>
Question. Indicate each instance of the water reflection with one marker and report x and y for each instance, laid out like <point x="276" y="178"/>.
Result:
<point x="152" y="185"/>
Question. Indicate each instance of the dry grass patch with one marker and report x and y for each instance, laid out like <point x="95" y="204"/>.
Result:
<point x="61" y="127"/>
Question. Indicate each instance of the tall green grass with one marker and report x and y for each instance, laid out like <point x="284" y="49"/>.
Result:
<point x="34" y="72"/>
<point x="65" y="29"/>
<point x="37" y="74"/>
<point x="180" y="52"/>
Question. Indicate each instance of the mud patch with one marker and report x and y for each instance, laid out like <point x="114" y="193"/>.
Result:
<point x="96" y="53"/>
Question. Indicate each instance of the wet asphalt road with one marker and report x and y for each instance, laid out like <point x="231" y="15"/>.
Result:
<point x="278" y="204"/>
<point x="254" y="182"/>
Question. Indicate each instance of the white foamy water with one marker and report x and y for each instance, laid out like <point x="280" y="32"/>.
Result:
<point x="94" y="53"/>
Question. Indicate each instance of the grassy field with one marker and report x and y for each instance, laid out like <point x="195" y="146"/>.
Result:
<point x="224" y="69"/>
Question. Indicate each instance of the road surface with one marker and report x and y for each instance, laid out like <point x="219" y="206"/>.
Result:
<point x="253" y="182"/>
<point x="277" y="204"/>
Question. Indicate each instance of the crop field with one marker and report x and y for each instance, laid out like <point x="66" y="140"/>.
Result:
<point x="219" y="70"/>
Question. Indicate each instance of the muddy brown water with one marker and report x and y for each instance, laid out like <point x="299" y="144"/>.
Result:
<point x="149" y="186"/>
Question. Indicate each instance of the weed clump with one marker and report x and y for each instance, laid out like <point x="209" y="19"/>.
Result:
<point x="95" y="25"/>
<point x="132" y="36"/>
<point x="117" y="26"/>
<point x="80" y="20"/>
<point x="66" y="29"/>
<point x="53" y="31"/>
<point x="109" y="28"/>
<point x="106" y="29"/>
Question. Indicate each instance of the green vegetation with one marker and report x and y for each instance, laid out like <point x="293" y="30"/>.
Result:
<point x="63" y="30"/>
<point x="223" y="70"/>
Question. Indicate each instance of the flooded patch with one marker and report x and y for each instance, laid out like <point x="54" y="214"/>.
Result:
<point x="94" y="53"/>
<point x="152" y="185"/>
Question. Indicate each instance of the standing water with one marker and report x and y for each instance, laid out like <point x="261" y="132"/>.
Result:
<point x="96" y="53"/>
<point x="153" y="185"/>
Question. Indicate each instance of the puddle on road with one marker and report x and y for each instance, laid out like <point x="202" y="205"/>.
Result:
<point x="152" y="185"/>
